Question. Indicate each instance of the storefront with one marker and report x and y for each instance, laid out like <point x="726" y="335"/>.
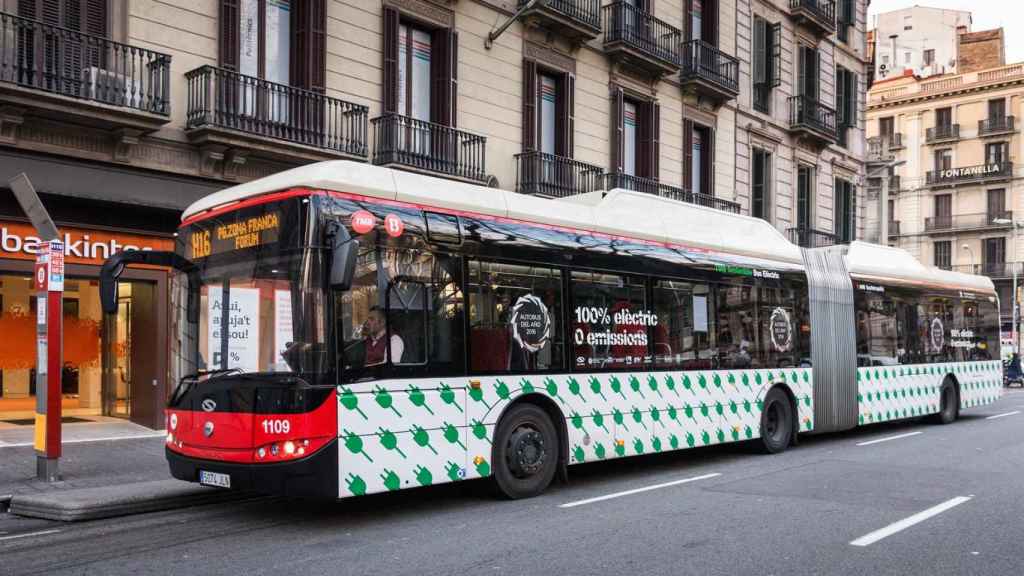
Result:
<point x="115" y="365"/>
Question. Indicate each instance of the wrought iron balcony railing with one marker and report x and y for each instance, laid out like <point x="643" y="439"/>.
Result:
<point x="820" y="14"/>
<point x="428" y="147"/>
<point x="555" y="176"/>
<point x="578" y="18"/>
<point x="225" y="99"/>
<point x="714" y="72"/>
<point x="996" y="125"/>
<point x="64" y="62"/>
<point x="810" y="237"/>
<point x="942" y="133"/>
<point x="807" y="114"/>
<point x="646" y="39"/>
<point x="978" y="173"/>
<point x="992" y="269"/>
<point x="651" y="186"/>
<point x="987" y="220"/>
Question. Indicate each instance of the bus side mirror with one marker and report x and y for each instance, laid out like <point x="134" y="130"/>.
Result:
<point x="343" y="264"/>
<point x="109" y="273"/>
<point x="114" y="266"/>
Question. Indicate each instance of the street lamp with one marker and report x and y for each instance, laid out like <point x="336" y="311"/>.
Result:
<point x="971" y="252"/>
<point x="1013" y="295"/>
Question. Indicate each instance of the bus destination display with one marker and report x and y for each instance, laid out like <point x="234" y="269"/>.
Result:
<point x="248" y="233"/>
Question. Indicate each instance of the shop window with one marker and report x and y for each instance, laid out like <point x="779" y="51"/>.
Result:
<point x="515" y="318"/>
<point x="685" y="329"/>
<point x="610" y="320"/>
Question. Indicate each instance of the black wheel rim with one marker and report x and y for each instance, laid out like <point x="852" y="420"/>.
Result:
<point x="773" y="422"/>
<point x="526" y="451"/>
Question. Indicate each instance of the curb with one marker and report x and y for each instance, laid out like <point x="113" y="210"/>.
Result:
<point x="123" y="500"/>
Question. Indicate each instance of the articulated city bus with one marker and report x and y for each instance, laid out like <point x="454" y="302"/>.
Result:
<point x="343" y="329"/>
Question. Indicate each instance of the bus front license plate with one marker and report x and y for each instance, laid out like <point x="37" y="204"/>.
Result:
<point x="214" y="479"/>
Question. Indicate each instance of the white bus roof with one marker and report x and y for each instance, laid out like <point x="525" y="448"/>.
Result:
<point x="616" y="212"/>
<point x="874" y="261"/>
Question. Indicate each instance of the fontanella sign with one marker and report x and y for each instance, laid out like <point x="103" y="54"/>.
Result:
<point x="971" y="171"/>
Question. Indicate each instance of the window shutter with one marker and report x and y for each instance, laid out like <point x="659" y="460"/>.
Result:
<point x="95" y="18"/>
<point x="308" y="56"/>
<point x="655" y="153"/>
<point x="569" y="114"/>
<point x="529" y="105"/>
<point x="709" y="22"/>
<point x="815" y="72"/>
<point x="760" y="52"/>
<point x="801" y="73"/>
<point x="618" y="150"/>
<point x="440" y="77"/>
<point x="643" y="149"/>
<point x="688" y="154"/>
<point x="453" y="77"/>
<point x="229" y="34"/>
<point x="840" y="97"/>
<point x="775" y="53"/>
<point x="687" y="20"/>
<point x="390" y="60"/>
<point x="852" y="93"/>
<point x="839" y="214"/>
<point x="853" y="211"/>
<point x="709" y="162"/>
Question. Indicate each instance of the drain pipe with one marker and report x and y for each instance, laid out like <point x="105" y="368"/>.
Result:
<point x="493" y="35"/>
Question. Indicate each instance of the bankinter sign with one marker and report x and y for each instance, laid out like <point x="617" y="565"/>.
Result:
<point x="80" y="246"/>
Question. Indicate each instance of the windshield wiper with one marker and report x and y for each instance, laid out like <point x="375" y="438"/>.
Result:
<point x="187" y="382"/>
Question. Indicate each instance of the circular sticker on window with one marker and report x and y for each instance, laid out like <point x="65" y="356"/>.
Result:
<point x="937" y="334"/>
<point x="782" y="329"/>
<point x="531" y="324"/>
<point x="393" y="225"/>
<point x="363" y="221"/>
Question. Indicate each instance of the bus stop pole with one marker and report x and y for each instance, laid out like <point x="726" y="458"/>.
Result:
<point x="49" y="283"/>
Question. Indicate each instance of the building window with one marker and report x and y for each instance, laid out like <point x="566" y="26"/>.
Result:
<point x="996" y="204"/>
<point x="846" y="19"/>
<point x="993" y="253"/>
<point x="906" y="57"/>
<point x="943" y="159"/>
<point x="635" y="135"/>
<point x="997" y="109"/>
<point x="907" y="24"/>
<point x="698" y="164"/>
<point x="804" y="196"/>
<point x="760" y="187"/>
<point x="767" y="62"/>
<point x="807" y="70"/>
<point x="846" y="211"/>
<point x="280" y="41"/>
<point x="942" y="254"/>
<point x="943" y="117"/>
<point x="89" y="16"/>
<point x="548" y="118"/>
<point x="846" y="103"/>
<point x="420" y="79"/>
<point x="701" y="20"/>
<point x="886" y="127"/>
<point x="929" y="57"/>
<point x="943" y="211"/>
<point x="997" y="152"/>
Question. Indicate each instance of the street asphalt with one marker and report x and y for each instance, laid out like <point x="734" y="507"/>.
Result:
<point x="904" y="498"/>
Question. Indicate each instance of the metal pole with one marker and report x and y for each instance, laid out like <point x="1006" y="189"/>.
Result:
<point x="493" y="35"/>
<point x="883" y="208"/>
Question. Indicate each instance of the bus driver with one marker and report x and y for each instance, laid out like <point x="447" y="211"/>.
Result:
<point x="374" y="339"/>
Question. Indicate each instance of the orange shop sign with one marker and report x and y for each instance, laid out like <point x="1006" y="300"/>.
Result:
<point x="18" y="240"/>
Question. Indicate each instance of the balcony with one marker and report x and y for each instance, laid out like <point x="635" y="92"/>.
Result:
<point x="995" y="126"/>
<point x="428" y="148"/>
<point x="649" y="186"/>
<point x="894" y="228"/>
<point x="553" y="176"/>
<point x="998" y="270"/>
<point x="231" y="110"/>
<point x="942" y="133"/>
<point x="578" y="20"/>
<point x="811" y="238"/>
<point x="818" y="15"/>
<point x="639" y="39"/>
<point x="966" y="222"/>
<point x="709" y="71"/>
<point x="812" y="118"/>
<point x="895" y="140"/>
<point x="969" y="174"/>
<point x="56" y="73"/>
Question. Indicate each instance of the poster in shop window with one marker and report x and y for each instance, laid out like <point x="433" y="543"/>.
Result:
<point x="282" y="326"/>
<point x="242" y="331"/>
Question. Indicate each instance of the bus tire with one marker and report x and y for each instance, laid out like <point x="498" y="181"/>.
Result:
<point x="777" y="420"/>
<point x="949" y="403"/>
<point x="525" y="452"/>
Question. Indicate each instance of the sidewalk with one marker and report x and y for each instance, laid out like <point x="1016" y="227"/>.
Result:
<point x="107" y="469"/>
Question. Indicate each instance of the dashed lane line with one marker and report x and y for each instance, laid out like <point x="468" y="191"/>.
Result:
<point x="1003" y="414"/>
<point x="637" y="490"/>
<point x="28" y="535"/>
<point x="895" y="527"/>
<point x="888" y="438"/>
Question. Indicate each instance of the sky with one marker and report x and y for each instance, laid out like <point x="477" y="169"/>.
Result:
<point x="985" y="14"/>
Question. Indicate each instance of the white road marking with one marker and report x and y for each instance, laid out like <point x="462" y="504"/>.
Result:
<point x="82" y="440"/>
<point x="887" y="438"/>
<point x="871" y="538"/>
<point x="29" y="535"/>
<point x="637" y="491"/>
<point x="1003" y="414"/>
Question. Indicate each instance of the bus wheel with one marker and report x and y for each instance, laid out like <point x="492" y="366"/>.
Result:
<point x="949" y="407"/>
<point x="525" y="452"/>
<point x="776" y="422"/>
